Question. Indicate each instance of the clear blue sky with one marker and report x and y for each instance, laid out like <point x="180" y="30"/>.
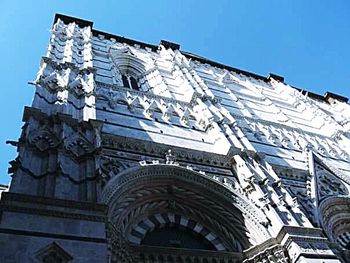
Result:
<point x="307" y="42"/>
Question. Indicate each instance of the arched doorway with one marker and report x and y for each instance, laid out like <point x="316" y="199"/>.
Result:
<point x="174" y="207"/>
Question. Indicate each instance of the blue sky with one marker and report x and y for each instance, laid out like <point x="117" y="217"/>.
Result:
<point x="307" y="42"/>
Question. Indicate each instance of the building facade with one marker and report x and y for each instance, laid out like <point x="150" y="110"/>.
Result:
<point x="132" y="152"/>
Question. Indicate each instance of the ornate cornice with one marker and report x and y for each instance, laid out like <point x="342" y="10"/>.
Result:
<point x="64" y="65"/>
<point x="146" y="94"/>
<point x="39" y="115"/>
<point x="158" y="150"/>
<point x="278" y="125"/>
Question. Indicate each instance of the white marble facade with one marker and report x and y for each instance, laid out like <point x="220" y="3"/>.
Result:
<point x="114" y="121"/>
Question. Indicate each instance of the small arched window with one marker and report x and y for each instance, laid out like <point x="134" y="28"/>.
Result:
<point x="131" y="67"/>
<point x="130" y="82"/>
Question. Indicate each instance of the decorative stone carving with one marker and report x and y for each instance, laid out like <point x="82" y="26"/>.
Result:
<point x="110" y="167"/>
<point x="79" y="86"/>
<point x="56" y="77"/>
<point x="272" y="254"/>
<point x="43" y="138"/>
<point x="79" y="145"/>
<point x="328" y="184"/>
<point x="119" y="250"/>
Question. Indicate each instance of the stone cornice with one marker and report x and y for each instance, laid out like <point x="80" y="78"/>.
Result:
<point x="50" y="212"/>
<point x="158" y="150"/>
<point x="48" y="201"/>
<point x="69" y="19"/>
<point x="146" y="94"/>
<point x="64" y="65"/>
<point x="29" y="204"/>
<point x="32" y="234"/>
<point x="58" y="118"/>
<point x="53" y="102"/>
<point x="279" y="125"/>
<point x="58" y="172"/>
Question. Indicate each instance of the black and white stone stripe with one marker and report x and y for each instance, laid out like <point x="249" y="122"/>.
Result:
<point x="344" y="240"/>
<point x="140" y="230"/>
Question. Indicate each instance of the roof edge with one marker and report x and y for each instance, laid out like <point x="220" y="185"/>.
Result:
<point x="328" y="96"/>
<point x="219" y="65"/>
<point x="122" y="39"/>
<point x="71" y="19"/>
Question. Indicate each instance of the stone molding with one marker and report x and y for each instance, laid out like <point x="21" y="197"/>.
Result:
<point x="29" y="204"/>
<point x="158" y="149"/>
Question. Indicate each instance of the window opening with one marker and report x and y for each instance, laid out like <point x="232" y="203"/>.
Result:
<point x="130" y="82"/>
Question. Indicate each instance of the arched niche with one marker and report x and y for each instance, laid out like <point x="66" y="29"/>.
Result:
<point x="199" y="202"/>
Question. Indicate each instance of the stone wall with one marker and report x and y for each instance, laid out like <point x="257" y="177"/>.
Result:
<point x="121" y="132"/>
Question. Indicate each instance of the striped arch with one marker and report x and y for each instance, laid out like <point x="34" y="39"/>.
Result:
<point x="221" y="215"/>
<point x="335" y="219"/>
<point x="139" y="231"/>
<point x="344" y="240"/>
